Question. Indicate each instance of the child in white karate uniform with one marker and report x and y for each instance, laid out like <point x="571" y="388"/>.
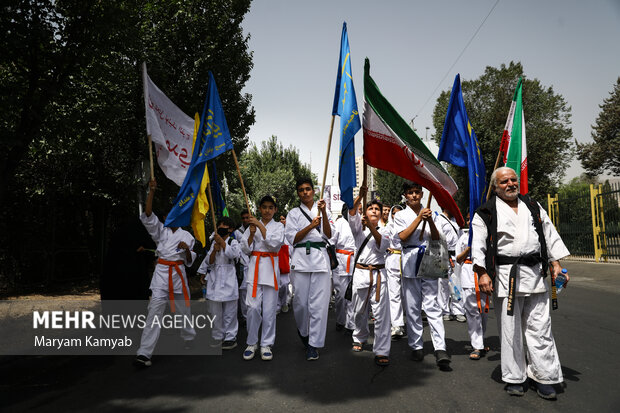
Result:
<point x="169" y="282"/>
<point x="263" y="240"/>
<point x="221" y="283"/>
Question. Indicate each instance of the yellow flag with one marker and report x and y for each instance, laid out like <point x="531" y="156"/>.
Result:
<point x="201" y="206"/>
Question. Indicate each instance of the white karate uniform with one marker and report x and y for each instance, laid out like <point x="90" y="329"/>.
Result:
<point x="222" y="289"/>
<point x="476" y="322"/>
<point x="365" y="287"/>
<point x="393" y="269"/>
<point x="343" y="240"/>
<point x="245" y="261"/>
<point x="516" y="236"/>
<point x="311" y="276"/>
<point x="451" y="230"/>
<point x="418" y="293"/>
<point x="262" y="306"/>
<point x="167" y="249"/>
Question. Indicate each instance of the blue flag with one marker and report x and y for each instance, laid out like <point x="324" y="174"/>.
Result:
<point x="212" y="139"/>
<point x="219" y="204"/>
<point x="345" y="106"/>
<point x="459" y="146"/>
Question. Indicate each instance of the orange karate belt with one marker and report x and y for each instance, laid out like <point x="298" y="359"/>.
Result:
<point x="259" y="255"/>
<point x="486" y="305"/>
<point x="350" y="254"/>
<point x="175" y="265"/>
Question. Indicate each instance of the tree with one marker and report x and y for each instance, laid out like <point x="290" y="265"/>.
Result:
<point x="547" y="124"/>
<point x="602" y="154"/>
<point x="73" y="111"/>
<point x="273" y="170"/>
<point x="389" y="186"/>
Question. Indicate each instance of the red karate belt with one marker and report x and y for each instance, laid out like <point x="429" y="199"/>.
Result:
<point x="259" y="255"/>
<point x="350" y="254"/>
<point x="175" y="265"/>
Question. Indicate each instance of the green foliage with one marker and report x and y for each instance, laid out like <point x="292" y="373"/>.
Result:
<point x="389" y="186"/>
<point x="73" y="111"/>
<point x="603" y="155"/>
<point x="575" y="215"/>
<point x="274" y="170"/>
<point x="547" y="124"/>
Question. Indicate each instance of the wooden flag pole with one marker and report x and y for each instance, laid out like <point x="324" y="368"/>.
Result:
<point x="151" y="157"/>
<point x="245" y="196"/>
<point x="428" y="205"/>
<point x="211" y="205"/>
<point x="499" y="156"/>
<point x="365" y="172"/>
<point x="329" y="145"/>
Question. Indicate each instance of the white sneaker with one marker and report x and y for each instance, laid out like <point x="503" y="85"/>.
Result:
<point x="265" y="353"/>
<point x="461" y="318"/>
<point x="249" y="352"/>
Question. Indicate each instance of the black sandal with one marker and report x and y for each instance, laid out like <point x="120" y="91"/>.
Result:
<point x="357" y="347"/>
<point x="382" y="361"/>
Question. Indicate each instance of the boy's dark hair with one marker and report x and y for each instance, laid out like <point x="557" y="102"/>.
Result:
<point x="375" y="202"/>
<point x="304" y="180"/>
<point x="267" y="198"/>
<point x="345" y="211"/>
<point x="243" y="212"/>
<point x="226" y="221"/>
<point x="407" y="185"/>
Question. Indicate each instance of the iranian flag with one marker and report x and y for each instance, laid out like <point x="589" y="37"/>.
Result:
<point x="390" y="144"/>
<point x="513" y="140"/>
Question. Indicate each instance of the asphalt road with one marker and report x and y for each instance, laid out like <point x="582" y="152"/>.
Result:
<point x="586" y="328"/>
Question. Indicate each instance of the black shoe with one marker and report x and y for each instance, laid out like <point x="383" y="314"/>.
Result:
<point x="515" y="389"/>
<point x="443" y="359"/>
<point x="546" y="391"/>
<point x="339" y="327"/>
<point x="142" y="361"/>
<point x="312" y="353"/>
<point x="417" y="355"/>
<point x="189" y="344"/>
<point x="229" y="344"/>
<point x="304" y="339"/>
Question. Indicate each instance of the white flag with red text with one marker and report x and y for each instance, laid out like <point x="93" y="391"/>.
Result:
<point x="171" y="131"/>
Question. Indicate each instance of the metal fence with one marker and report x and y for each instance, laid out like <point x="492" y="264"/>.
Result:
<point x="588" y="219"/>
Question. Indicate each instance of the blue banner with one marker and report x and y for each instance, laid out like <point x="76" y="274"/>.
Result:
<point x="345" y="106"/>
<point x="213" y="139"/>
<point x="459" y="146"/>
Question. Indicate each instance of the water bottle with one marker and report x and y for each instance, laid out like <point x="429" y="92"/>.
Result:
<point x="560" y="280"/>
<point x="455" y="290"/>
<point x="204" y="291"/>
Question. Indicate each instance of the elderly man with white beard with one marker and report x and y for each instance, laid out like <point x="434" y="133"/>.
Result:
<point x="514" y="244"/>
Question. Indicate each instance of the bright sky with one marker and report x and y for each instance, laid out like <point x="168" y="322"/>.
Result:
<point x="570" y="45"/>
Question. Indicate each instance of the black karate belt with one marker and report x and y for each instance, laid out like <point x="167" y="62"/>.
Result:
<point x="452" y="252"/>
<point x="530" y="260"/>
<point x="309" y="244"/>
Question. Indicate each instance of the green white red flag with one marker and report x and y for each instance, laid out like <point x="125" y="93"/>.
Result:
<point x="390" y="144"/>
<point x="513" y="140"/>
